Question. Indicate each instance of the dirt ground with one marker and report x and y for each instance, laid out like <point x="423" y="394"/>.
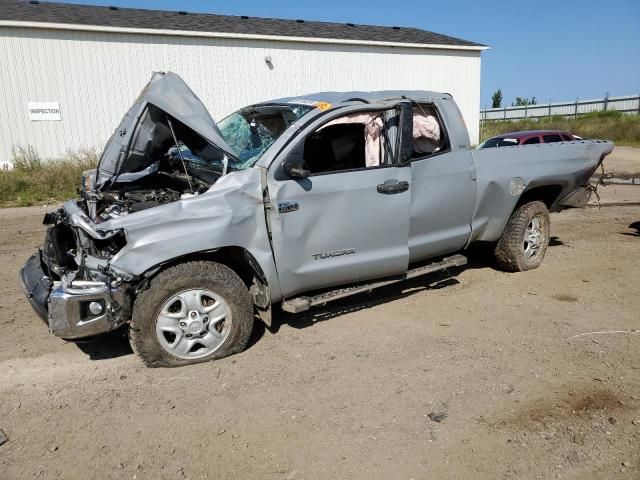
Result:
<point x="346" y="391"/>
<point x="624" y="162"/>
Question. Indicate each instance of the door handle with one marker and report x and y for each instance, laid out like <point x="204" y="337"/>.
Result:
<point x="389" y="187"/>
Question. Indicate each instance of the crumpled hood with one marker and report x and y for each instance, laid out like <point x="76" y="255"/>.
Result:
<point x="168" y="92"/>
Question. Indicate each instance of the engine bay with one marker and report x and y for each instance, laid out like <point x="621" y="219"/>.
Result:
<point x="133" y="201"/>
<point x="166" y="161"/>
<point x="148" y="192"/>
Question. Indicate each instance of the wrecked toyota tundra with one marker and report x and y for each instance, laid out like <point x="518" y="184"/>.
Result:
<point x="188" y="229"/>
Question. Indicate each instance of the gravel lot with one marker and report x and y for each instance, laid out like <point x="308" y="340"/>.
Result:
<point x="624" y="162"/>
<point x="346" y="391"/>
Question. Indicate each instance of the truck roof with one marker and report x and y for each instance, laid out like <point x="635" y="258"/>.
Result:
<point x="340" y="98"/>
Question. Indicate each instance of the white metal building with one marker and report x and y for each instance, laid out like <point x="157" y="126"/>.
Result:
<point x="69" y="72"/>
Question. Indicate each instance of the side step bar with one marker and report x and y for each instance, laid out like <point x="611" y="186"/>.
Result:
<point x="301" y="304"/>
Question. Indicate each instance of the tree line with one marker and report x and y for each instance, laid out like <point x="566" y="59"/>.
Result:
<point x="496" y="100"/>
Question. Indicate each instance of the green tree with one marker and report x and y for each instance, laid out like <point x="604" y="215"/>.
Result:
<point x="521" y="102"/>
<point x="496" y="99"/>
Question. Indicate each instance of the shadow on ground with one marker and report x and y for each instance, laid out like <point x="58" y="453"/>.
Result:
<point x="104" y="347"/>
<point x="116" y="344"/>
<point x="364" y="301"/>
<point x="634" y="226"/>
<point x="479" y="255"/>
<point x="556" y="242"/>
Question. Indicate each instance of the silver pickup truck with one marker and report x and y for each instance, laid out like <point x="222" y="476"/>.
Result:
<point x="188" y="229"/>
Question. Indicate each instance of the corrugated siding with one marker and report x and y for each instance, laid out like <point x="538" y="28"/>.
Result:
<point x="96" y="76"/>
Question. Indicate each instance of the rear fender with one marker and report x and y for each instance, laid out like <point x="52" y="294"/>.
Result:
<point x="546" y="171"/>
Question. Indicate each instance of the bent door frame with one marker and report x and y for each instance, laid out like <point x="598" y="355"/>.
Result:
<point x="301" y="276"/>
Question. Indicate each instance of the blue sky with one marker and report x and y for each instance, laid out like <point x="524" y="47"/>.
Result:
<point x="547" y="49"/>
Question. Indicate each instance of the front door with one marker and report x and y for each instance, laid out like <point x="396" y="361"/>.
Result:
<point x="348" y="220"/>
<point x="339" y="228"/>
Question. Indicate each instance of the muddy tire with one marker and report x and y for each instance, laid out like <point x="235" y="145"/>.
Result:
<point x="190" y="313"/>
<point x="525" y="238"/>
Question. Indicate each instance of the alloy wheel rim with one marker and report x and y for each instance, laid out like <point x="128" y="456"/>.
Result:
<point x="533" y="239"/>
<point x="193" y="323"/>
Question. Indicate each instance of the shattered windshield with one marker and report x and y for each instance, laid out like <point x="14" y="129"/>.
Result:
<point x="251" y="130"/>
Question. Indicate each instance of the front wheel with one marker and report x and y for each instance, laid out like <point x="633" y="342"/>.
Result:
<point x="524" y="241"/>
<point x="192" y="312"/>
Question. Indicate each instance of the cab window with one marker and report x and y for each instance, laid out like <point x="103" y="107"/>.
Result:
<point x="429" y="135"/>
<point x="351" y="142"/>
<point x="335" y="148"/>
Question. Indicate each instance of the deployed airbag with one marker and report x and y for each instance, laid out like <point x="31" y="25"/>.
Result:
<point x="372" y="131"/>
<point x="426" y="132"/>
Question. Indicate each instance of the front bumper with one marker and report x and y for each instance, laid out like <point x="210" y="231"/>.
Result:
<point x="65" y="307"/>
<point x="36" y="285"/>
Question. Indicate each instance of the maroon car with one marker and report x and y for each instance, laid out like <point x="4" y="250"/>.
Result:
<point x="528" y="138"/>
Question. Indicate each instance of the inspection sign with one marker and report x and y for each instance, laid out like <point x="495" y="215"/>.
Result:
<point x="44" y="111"/>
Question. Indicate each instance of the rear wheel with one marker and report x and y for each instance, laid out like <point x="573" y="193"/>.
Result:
<point x="524" y="240"/>
<point x="192" y="312"/>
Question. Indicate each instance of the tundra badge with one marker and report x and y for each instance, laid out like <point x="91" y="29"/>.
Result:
<point x="335" y="253"/>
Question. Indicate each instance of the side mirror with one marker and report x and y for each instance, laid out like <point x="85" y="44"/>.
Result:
<point x="295" y="169"/>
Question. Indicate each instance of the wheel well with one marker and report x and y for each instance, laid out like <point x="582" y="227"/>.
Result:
<point x="546" y="194"/>
<point x="242" y="262"/>
<point x="237" y="259"/>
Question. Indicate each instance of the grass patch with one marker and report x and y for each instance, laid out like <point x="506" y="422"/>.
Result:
<point x="35" y="181"/>
<point x="623" y="130"/>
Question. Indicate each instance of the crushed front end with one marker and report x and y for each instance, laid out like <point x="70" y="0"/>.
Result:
<point x="157" y="167"/>
<point x="69" y="282"/>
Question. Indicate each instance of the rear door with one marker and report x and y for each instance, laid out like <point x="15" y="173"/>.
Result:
<point x="443" y="190"/>
<point x="338" y="226"/>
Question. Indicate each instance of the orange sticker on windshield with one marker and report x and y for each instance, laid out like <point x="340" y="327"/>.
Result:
<point x="323" y="106"/>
